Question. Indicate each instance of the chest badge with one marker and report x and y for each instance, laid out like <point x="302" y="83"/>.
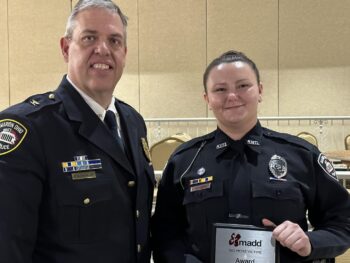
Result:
<point x="278" y="166"/>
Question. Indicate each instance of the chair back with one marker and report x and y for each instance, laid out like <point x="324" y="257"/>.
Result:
<point x="347" y="142"/>
<point x="161" y="151"/>
<point x="308" y="137"/>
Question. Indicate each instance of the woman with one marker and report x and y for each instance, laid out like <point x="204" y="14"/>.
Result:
<point x="243" y="173"/>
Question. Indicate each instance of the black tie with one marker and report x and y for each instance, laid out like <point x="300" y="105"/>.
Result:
<point x="111" y="123"/>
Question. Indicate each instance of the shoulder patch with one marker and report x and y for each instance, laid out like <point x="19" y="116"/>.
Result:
<point x="12" y="133"/>
<point x="327" y="166"/>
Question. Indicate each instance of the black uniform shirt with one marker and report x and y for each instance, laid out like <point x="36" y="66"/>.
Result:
<point x="213" y="179"/>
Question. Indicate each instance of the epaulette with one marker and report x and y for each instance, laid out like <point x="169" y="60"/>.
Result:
<point x="35" y="103"/>
<point x="292" y="139"/>
<point x="191" y="143"/>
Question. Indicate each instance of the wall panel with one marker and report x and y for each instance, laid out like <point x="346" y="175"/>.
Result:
<point x="128" y="88"/>
<point x="251" y="27"/>
<point x="172" y="57"/>
<point x="4" y="71"/>
<point x="36" y="63"/>
<point x="314" y="57"/>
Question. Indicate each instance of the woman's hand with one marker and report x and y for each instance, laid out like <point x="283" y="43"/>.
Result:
<point x="290" y="235"/>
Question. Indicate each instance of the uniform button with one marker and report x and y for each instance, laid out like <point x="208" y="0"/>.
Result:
<point x="86" y="201"/>
<point x="137" y="213"/>
<point x="131" y="183"/>
<point x="139" y="248"/>
<point x="52" y="96"/>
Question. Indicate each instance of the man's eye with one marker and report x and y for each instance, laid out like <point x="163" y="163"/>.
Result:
<point x="116" y="42"/>
<point x="88" y="38"/>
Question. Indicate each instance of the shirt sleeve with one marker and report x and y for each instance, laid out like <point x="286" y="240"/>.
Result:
<point x="21" y="177"/>
<point x="330" y="213"/>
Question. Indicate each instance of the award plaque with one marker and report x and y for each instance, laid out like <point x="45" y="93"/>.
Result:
<point x="234" y="243"/>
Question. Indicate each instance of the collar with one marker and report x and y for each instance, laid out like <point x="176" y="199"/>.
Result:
<point x="97" y="108"/>
<point x="252" y="139"/>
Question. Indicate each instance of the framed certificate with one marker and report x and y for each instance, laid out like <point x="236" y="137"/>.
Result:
<point x="232" y="243"/>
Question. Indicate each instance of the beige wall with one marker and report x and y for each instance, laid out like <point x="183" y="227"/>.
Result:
<point x="301" y="48"/>
<point x="4" y="71"/>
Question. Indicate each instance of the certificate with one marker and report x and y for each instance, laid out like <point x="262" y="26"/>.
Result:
<point x="234" y="243"/>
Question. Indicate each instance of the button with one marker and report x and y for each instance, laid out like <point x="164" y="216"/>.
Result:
<point x="52" y="96"/>
<point x="139" y="248"/>
<point x="86" y="201"/>
<point x="131" y="183"/>
<point x="137" y="213"/>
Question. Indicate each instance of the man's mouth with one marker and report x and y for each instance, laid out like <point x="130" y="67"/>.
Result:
<point x="101" y="66"/>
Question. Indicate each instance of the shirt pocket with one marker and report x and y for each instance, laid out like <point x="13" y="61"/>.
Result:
<point x="202" y="192"/>
<point x="84" y="210"/>
<point x="278" y="201"/>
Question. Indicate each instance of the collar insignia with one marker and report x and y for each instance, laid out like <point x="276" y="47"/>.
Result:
<point x="253" y="142"/>
<point x="221" y="145"/>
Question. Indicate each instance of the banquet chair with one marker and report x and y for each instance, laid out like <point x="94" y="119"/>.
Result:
<point x="308" y="137"/>
<point x="161" y="151"/>
<point x="347" y="142"/>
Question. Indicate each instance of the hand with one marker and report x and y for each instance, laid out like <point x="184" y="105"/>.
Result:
<point x="290" y="235"/>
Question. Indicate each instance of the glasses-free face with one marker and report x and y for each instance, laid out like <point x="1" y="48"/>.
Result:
<point x="96" y="52"/>
<point x="233" y="95"/>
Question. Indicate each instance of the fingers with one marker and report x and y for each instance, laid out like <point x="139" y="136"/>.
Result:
<point x="268" y="223"/>
<point x="292" y="236"/>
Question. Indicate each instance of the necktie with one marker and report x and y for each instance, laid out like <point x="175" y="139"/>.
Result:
<point x="111" y="123"/>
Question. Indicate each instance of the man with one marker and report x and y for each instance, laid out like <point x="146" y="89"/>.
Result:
<point x="76" y="186"/>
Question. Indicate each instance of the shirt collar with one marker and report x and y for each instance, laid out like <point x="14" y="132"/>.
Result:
<point x="97" y="108"/>
<point x="252" y="140"/>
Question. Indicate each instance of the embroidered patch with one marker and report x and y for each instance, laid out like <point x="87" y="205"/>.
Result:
<point x="327" y="166"/>
<point x="12" y="133"/>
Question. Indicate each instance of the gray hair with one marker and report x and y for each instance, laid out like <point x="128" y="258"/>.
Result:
<point x="86" y="4"/>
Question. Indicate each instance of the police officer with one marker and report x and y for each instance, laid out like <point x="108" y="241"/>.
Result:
<point x="76" y="185"/>
<point x="243" y="173"/>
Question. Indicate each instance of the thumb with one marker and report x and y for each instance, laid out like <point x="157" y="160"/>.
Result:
<point x="268" y="223"/>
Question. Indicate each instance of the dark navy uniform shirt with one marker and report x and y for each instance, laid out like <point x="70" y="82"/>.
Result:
<point x="266" y="174"/>
<point x="68" y="193"/>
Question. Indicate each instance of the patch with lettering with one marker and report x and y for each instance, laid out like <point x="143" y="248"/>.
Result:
<point x="12" y="134"/>
<point x="327" y="166"/>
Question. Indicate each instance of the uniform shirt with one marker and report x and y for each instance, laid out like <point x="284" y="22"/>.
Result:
<point x="67" y="191"/>
<point x="214" y="179"/>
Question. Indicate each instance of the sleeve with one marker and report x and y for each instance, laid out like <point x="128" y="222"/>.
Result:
<point x="169" y="220"/>
<point x="21" y="180"/>
<point x="330" y="213"/>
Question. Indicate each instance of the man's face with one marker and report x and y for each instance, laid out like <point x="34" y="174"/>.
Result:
<point x="96" y="52"/>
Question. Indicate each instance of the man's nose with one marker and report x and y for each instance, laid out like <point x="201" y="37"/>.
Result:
<point x="102" y="48"/>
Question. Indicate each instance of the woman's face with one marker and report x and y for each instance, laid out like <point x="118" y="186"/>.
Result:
<point x="233" y="95"/>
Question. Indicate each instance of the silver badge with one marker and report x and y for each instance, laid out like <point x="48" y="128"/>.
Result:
<point x="278" y="166"/>
<point x="201" y="171"/>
